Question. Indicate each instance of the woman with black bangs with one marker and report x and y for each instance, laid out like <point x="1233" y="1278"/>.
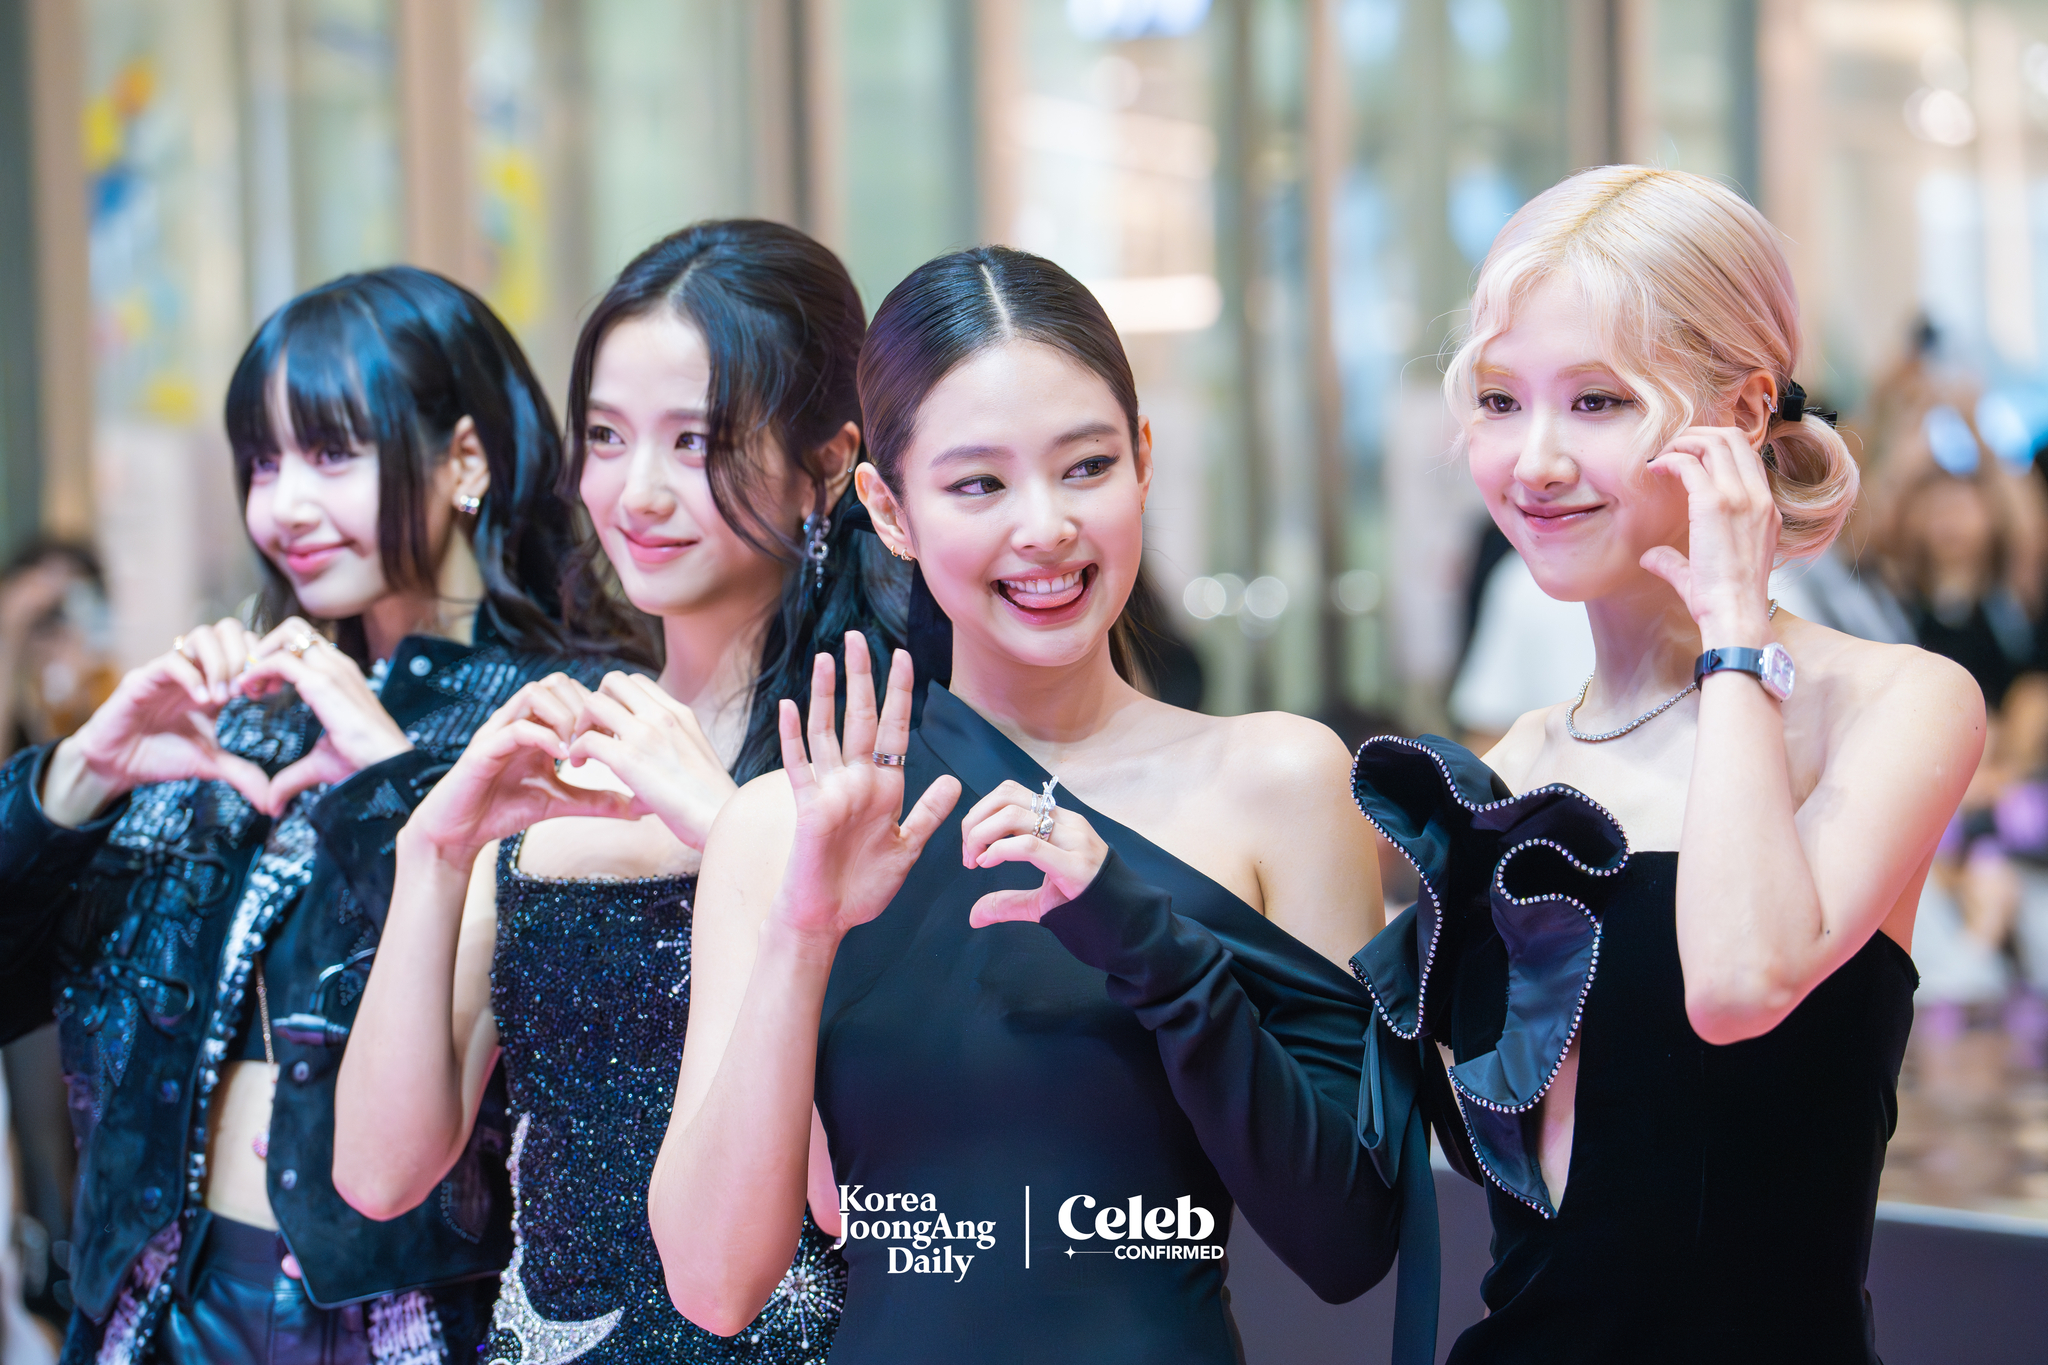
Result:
<point x="200" y="873"/>
<point x="548" y="914"/>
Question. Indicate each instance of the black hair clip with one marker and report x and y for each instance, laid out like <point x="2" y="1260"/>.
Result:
<point x="1792" y="406"/>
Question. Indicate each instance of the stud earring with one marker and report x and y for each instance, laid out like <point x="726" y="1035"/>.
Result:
<point x="468" y="504"/>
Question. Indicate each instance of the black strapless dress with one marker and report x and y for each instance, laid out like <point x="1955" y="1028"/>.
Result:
<point x="590" y="984"/>
<point x="1720" y="1199"/>
<point x="1039" y="1156"/>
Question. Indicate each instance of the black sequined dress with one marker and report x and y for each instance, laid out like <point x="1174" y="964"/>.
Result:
<point x="590" y="984"/>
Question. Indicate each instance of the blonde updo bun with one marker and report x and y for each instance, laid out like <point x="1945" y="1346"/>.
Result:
<point x="1691" y="292"/>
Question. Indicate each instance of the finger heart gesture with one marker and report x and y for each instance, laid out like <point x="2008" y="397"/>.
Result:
<point x="158" y="726"/>
<point x="1732" y="534"/>
<point x="1004" y="827"/>
<point x="654" y="744"/>
<point x="356" y="730"/>
<point x="506" y="780"/>
<point x="850" y="853"/>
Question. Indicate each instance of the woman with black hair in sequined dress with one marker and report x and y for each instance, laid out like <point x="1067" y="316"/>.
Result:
<point x="545" y="902"/>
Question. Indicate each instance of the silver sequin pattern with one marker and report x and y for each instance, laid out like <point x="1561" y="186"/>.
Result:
<point x="590" y="987"/>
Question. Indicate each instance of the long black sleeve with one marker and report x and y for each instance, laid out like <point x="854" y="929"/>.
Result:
<point x="1287" y="1149"/>
<point x="40" y="863"/>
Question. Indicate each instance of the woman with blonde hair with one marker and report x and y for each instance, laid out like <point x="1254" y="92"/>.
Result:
<point x="1664" y="924"/>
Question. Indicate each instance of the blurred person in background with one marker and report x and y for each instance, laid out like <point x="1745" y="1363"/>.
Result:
<point x="1959" y="538"/>
<point x="196" y="878"/>
<point x="24" y="1339"/>
<point x="1960" y="543"/>
<point x="56" y="667"/>
<point x="714" y="434"/>
<point x="56" y="663"/>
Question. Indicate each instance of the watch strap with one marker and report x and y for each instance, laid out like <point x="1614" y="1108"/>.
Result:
<point x="1736" y="659"/>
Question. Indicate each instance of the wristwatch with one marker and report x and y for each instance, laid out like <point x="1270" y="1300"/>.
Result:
<point x="1771" y="665"/>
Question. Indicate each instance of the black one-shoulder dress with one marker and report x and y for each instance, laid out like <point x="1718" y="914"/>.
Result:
<point x="1040" y="1130"/>
<point x="1720" y="1200"/>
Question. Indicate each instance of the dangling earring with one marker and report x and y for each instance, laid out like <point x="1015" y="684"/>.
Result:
<point x="816" y="529"/>
<point x="468" y="504"/>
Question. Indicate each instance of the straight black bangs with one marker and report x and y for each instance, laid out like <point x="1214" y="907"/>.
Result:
<point x="341" y="388"/>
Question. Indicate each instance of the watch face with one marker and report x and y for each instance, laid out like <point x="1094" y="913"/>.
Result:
<point x="1776" y="672"/>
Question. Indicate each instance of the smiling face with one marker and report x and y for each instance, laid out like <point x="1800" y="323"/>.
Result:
<point x="312" y="512"/>
<point x="1558" y="449"/>
<point x="645" y="484"/>
<point x="1023" y="499"/>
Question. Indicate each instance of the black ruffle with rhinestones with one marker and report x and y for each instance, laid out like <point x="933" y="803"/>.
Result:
<point x="1533" y="871"/>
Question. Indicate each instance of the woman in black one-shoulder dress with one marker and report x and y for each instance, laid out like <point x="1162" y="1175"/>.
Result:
<point x="1664" y="935"/>
<point x="1039" y="1131"/>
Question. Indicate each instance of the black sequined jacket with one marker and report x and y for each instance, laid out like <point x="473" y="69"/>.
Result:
<point x="140" y="930"/>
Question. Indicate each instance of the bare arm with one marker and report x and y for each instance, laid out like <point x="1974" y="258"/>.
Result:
<point x="738" y="1150"/>
<point x="1316" y="860"/>
<point x="794" y="861"/>
<point x="1773" y="899"/>
<point x="424" y="1040"/>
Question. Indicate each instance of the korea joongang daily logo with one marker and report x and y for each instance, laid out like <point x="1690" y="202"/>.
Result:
<point x="923" y="1238"/>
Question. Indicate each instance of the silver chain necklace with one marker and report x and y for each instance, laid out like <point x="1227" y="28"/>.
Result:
<point x="1659" y="709"/>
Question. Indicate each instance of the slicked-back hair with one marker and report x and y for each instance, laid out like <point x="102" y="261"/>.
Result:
<point x="942" y="315"/>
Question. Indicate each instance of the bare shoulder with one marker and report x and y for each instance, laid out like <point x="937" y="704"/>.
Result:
<point x="1864" y="687"/>
<point x="1280" y="755"/>
<point x="1278" y="775"/>
<point x="761" y="813"/>
<point x="749" y="844"/>
<point x="1515" y="756"/>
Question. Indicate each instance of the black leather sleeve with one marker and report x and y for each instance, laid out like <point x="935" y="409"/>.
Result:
<point x="39" y="860"/>
<point x="40" y="863"/>
<point x="1288" y="1152"/>
<point x="358" y="823"/>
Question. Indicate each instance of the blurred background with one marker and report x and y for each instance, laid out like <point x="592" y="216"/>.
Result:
<point x="1280" y="202"/>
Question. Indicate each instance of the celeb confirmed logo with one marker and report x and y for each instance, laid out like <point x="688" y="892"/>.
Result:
<point x="919" y="1246"/>
<point x="1164" y="1232"/>
<point x="927" y="1245"/>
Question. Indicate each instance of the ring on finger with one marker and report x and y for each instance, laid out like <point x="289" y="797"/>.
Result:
<point x="1043" y="808"/>
<point x="178" y="647"/>
<point x="883" y="760"/>
<point x="297" y="648"/>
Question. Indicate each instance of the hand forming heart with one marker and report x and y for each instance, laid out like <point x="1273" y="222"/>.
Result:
<point x="158" y="726"/>
<point x="356" y="730"/>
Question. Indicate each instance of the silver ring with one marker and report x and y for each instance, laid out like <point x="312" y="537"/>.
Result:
<point x="883" y="760"/>
<point x="1043" y="807"/>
